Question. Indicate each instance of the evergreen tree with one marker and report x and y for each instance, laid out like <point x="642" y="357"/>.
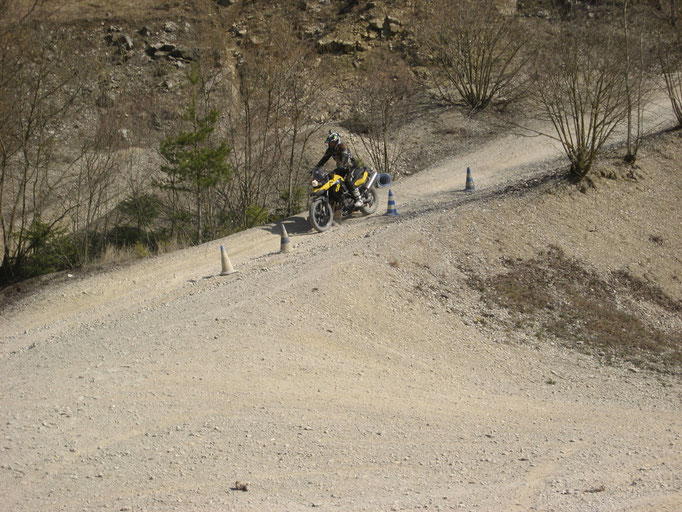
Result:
<point x="194" y="163"/>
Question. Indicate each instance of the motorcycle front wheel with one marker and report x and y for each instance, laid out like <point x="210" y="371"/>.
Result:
<point x="320" y="214"/>
<point x="371" y="200"/>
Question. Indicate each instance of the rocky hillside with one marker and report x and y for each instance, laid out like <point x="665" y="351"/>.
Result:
<point x="143" y="52"/>
<point x="140" y="55"/>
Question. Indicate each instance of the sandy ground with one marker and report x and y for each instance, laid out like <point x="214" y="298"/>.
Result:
<point x="334" y="377"/>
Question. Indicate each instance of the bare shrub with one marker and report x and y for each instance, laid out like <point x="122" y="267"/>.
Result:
<point x="115" y="254"/>
<point x="35" y="103"/>
<point x="380" y="108"/>
<point x="669" y="56"/>
<point x="581" y="86"/>
<point x="478" y="54"/>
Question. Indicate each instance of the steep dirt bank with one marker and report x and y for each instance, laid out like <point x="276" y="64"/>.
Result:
<point x="157" y="385"/>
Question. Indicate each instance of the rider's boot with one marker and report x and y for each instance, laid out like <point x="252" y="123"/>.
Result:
<point x="356" y="196"/>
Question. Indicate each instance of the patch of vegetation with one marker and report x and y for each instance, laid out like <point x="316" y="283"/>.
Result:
<point x="582" y="309"/>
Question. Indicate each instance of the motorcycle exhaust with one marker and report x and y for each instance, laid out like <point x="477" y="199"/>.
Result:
<point x="371" y="180"/>
<point x="383" y="180"/>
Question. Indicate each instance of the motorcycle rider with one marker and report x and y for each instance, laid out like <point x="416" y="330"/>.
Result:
<point x="345" y="163"/>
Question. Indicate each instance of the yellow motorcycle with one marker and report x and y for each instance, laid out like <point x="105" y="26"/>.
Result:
<point x="330" y="193"/>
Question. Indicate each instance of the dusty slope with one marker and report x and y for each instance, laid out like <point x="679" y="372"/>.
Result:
<point x="157" y="386"/>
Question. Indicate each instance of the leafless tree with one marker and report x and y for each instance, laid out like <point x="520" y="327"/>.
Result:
<point x="253" y="135"/>
<point x="303" y="79"/>
<point x="93" y="184"/>
<point x="636" y="55"/>
<point x="669" y="11"/>
<point x="380" y="107"/>
<point x="581" y="86"/>
<point x="270" y="123"/>
<point x="672" y="74"/>
<point x="44" y="89"/>
<point x="478" y="53"/>
<point x="669" y="54"/>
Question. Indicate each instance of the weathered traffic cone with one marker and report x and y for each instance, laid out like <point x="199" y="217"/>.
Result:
<point x="391" y="209"/>
<point x="286" y="243"/>
<point x="227" y="264"/>
<point x="469" y="187"/>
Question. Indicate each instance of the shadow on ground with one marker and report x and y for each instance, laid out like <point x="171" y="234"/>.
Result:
<point x="296" y="225"/>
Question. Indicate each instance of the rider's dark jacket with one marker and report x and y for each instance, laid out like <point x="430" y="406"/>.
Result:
<point x="341" y="155"/>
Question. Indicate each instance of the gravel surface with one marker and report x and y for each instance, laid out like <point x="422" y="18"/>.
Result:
<point x="352" y="373"/>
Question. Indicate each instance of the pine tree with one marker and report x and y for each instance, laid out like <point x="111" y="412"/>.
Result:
<point x="194" y="163"/>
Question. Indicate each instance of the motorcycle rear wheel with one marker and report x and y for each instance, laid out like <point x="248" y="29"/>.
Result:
<point x="372" y="198"/>
<point x="320" y="215"/>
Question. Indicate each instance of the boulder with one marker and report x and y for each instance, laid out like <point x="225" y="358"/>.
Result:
<point x="388" y="26"/>
<point x="164" y="50"/>
<point x="376" y="24"/>
<point x="391" y="27"/>
<point x="123" y="41"/>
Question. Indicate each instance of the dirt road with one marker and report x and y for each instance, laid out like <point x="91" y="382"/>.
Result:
<point x="158" y="385"/>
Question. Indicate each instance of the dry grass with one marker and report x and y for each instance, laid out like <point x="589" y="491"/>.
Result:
<point x="72" y="10"/>
<point x="114" y="254"/>
<point x="564" y="301"/>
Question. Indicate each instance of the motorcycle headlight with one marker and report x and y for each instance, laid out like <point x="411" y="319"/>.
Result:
<point x="315" y="183"/>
